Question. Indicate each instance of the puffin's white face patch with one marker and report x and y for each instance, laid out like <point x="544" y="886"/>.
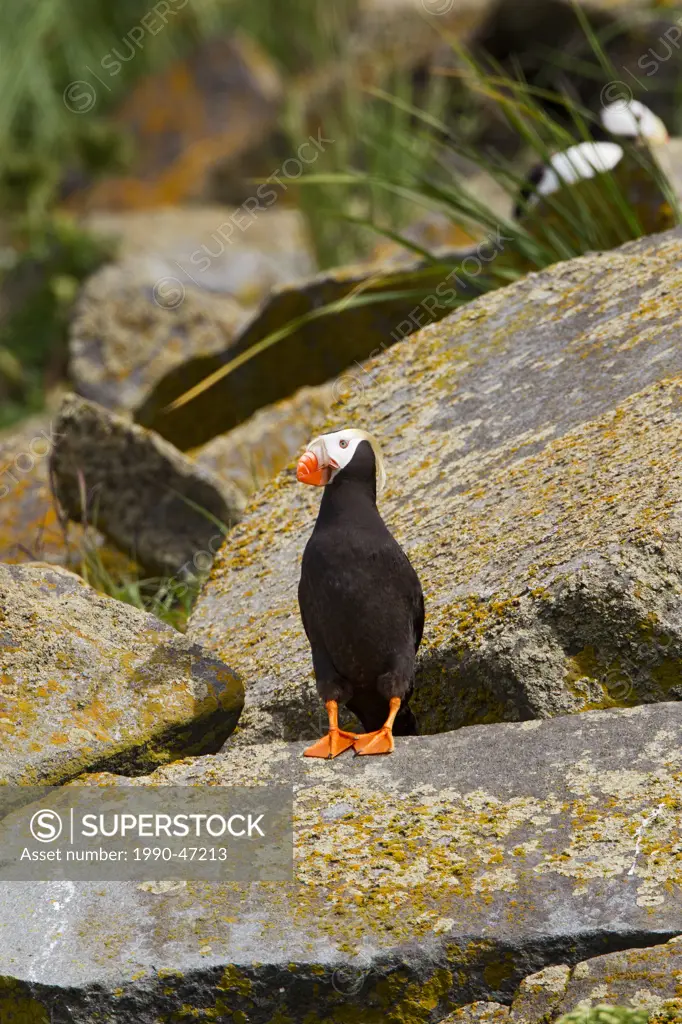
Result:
<point x="336" y="451"/>
<point x="633" y="120"/>
<point x="577" y="164"/>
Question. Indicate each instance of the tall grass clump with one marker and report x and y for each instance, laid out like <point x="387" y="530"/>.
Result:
<point x="420" y="169"/>
<point x="346" y="198"/>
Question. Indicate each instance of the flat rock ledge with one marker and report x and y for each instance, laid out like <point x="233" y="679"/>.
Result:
<point x="442" y="875"/>
<point x="87" y="682"/>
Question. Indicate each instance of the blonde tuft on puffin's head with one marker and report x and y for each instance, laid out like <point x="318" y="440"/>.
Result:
<point x="328" y="454"/>
<point x="632" y="119"/>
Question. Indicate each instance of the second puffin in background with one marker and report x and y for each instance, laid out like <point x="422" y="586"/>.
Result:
<point x="625" y="119"/>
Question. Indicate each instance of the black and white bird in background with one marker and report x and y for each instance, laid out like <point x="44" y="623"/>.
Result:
<point x="361" y="601"/>
<point x="625" y="119"/>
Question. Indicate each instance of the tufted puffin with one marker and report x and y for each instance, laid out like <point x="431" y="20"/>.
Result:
<point x="361" y="601"/>
<point x="625" y="119"/>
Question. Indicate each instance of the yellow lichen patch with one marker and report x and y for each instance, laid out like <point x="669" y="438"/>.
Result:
<point x="669" y="1012"/>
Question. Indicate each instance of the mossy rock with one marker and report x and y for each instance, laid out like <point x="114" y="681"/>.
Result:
<point x="88" y="681"/>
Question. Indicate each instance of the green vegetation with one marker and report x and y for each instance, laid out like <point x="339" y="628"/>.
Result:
<point x="311" y="35"/>
<point x="418" y="171"/>
<point x="362" y="186"/>
<point x="604" y="1014"/>
<point x="168" y="598"/>
<point x="51" y="257"/>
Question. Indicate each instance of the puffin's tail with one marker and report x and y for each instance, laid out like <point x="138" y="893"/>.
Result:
<point x="405" y="723"/>
<point x="372" y="710"/>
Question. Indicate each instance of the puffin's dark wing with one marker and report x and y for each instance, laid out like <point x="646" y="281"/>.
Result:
<point x="360" y="599"/>
<point x="416" y="596"/>
<point x="419" y="619"/>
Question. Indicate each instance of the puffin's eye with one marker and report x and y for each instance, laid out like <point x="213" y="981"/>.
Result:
<point x="343" y="443"/>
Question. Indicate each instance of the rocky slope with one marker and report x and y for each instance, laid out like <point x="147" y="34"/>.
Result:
<point x="533" y="447"/>
<point x="444" y="874"/>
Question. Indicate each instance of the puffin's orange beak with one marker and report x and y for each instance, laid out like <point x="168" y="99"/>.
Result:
<point x="309" y="470"/>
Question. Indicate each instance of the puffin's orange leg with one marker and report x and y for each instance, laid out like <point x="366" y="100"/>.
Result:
<point x="336" y="741"/>
<point x="381" y="741"/>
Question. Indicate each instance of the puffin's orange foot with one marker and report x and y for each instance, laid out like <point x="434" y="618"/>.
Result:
<point x="331" y="745"/>
<point x="379" y="742"/>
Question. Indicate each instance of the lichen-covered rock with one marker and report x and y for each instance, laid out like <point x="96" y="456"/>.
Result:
<point x="136" y="320"/>
<point x="311" y="351"/>
<point x="479" y="1012"/>
<point x="206" y="107"/>
<point x="88" y="681"/>
<point x="442" y="874"/>
<point x="29" y="521"/>
<point x="642" y="979"/>
<point x="150" y="499"/>
<point x="540" y="994"/>
<point x="534" y="445"/>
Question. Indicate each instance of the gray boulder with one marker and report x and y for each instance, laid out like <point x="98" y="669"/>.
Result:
<point x="443" y="874"/>
<point x="135" y="321"/>
<point x="88" y="681"/>
<point x="153" y="502"/>
<point x="534" y="447"/>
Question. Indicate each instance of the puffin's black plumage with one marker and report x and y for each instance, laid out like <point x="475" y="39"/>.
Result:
<point x="361" y="601"/>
